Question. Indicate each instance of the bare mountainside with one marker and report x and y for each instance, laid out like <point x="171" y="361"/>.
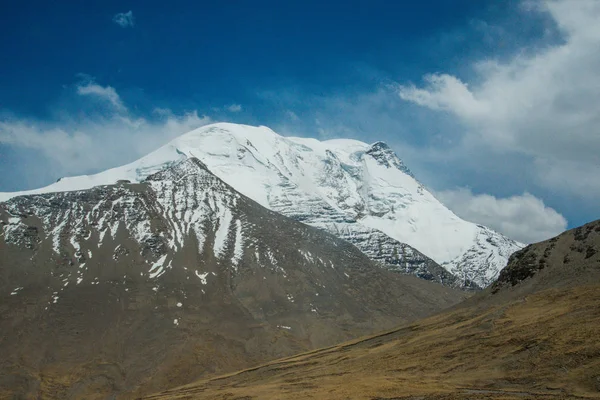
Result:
<point x="137" y="287"/>
<point x="532" y="335"/>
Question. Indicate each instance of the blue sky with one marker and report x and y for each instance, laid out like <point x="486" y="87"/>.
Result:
<point x="490" y="103"/>
<point x="198" y="54"/>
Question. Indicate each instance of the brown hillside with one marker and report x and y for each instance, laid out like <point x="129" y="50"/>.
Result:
<point x="533" y="335"/>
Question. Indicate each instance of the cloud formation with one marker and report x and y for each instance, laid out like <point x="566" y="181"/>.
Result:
<point x="74" y="144"/>
<point x="542" y="104"/>
<point x="234" y="108"/>
<point x="124" y="20"/>
<point x="105" y="93"/>
<point x="524" y="218"/>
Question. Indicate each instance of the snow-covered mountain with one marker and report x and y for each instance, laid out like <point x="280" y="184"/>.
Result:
<point x="359" y="192"/>
<point x="138" y="287"/>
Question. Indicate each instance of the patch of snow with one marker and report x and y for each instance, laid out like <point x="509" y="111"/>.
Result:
<point x="16" y="290"/>
<point x="222" y="233"/>
<point x="157" y="268"/>
<point x="272" y="258"/>
<point x="238" y="250"/>
<point x="202" y="277"/>
<point x="75" y="245"/>
<point x="101" y="238"/>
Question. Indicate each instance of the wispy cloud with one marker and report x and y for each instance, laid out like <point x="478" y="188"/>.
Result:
<point x="234" y="108"/>
<point x="105" y="93"/>
<point x="77" y="144"/>
<point x="124" y="20"/>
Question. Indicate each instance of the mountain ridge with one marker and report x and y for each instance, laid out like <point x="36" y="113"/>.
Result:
<point x="362" y="193"/>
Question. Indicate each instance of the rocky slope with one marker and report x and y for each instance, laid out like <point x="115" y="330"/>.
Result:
<point x="134" y="287"/>
<point x="572" y="258"/>
<point x="359" y="192"/>
<point x="532" y="335"/>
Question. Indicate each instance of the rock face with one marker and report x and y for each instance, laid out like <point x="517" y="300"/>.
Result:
<point x="359" y="192"/>
<point x="572" y="258"/>
<point x="135" y="287"/>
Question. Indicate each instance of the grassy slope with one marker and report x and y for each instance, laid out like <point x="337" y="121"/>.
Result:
<point x="534" y="334"/>
<point x="543" y="346"/>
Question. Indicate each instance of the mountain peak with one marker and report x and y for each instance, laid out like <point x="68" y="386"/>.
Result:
<point x="179" y="169"/>
<point x="379" y="145"/>
<point x="384" y="155"/>
<point x="354" y="190"/>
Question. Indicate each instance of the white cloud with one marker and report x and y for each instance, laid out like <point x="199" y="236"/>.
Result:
<point x="124" y="20"/>
<point x="234" y="108"/>
<point x="580" y="178"/>
<point x="542" y="104"/>
<point x="75" y="145"/>
<point x="106" y="93"/>
<point x="524" y="218"/>
<point x="100" y="143"/>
